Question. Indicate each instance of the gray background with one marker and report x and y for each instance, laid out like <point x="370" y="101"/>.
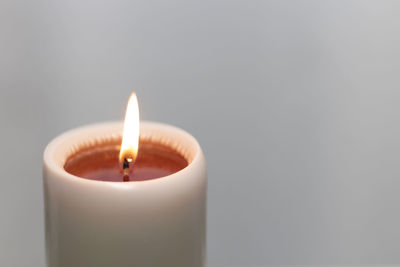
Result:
<point x="295" y="103"/>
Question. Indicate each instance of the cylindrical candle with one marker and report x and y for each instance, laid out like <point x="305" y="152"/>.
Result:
<point x="150" y="222"/>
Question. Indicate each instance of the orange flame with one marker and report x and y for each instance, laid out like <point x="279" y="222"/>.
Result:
<point x="130" y="136"/>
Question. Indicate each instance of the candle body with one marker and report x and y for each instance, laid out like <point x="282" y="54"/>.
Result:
<point x="159" y="222"/>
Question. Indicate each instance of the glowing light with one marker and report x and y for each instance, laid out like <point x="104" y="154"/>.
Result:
<point x="130" y="135"/>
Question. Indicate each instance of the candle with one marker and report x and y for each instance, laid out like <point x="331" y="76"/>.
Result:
<point x="107" y="204"/>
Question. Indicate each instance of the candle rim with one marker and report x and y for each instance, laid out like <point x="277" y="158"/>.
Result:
<point x="109" y="131"/>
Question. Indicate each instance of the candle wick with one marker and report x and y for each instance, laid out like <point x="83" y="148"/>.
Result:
<point x="126" y="169"/>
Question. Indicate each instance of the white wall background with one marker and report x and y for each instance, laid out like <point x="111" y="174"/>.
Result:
<point x="296" y="105"/>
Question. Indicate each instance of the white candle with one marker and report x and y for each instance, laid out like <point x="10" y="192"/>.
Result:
<point x="158" y="222"/>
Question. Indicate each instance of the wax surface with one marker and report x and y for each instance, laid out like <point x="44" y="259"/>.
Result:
<point x="102" y="163"/>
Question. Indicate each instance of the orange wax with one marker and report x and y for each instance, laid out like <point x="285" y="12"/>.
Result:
<point x="101" y="163"/>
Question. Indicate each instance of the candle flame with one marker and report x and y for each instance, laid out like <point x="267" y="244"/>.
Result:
<point x="130" y="135"/>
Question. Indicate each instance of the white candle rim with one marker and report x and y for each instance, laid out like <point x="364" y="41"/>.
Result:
<point x="109" y="129"/>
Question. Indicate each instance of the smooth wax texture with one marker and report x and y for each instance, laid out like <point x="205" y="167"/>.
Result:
<point x="101" y="162"/>
<point x="158" y="222"/>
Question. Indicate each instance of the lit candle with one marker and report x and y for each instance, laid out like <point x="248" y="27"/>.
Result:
<point x="140" y="203"/>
